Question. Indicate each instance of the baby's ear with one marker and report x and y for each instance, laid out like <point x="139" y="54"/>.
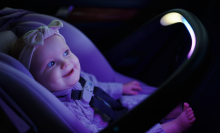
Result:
<point x="55" y="24"/>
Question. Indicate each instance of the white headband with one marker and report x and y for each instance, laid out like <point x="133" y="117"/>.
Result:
<point x="35" y="38"/>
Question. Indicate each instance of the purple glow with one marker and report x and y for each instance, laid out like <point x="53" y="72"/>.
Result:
<point x="70" y="8"/>
<point x="193" y="37"/>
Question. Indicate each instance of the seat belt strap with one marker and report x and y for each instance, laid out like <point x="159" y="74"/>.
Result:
<point x="104" y="96"/>
<point x="102" y="101"/>
<point x="95" y="102"/>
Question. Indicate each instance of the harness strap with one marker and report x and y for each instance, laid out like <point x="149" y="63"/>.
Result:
<point x="75" y="95"/>
<point x="95" y="102"/>
<point x="102" y="101"/>
<point x="104" y="96"/>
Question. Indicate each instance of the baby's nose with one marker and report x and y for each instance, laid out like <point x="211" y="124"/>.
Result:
<point x="65" y="63"/>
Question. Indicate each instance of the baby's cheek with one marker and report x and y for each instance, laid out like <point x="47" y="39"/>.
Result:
<point x="56" y="80"/>
<point x="50" y="80"/>
<point x="52" y="77"/>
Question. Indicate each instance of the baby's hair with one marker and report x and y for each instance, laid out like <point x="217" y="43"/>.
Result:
<point x="17" y="47"/>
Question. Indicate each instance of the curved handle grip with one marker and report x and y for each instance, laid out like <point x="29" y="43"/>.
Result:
<point x="176" y="87"/>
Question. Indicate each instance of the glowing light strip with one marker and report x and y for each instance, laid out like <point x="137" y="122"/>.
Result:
<point x="172" y="18"/>
<point x="193" y="37"/>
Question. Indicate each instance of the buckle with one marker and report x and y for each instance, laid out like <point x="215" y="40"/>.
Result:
<point x="87" y="93"/>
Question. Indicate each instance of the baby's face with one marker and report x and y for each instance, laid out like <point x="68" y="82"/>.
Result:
<point x="54" y="66"/>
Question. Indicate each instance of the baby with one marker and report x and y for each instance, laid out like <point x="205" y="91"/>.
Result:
<point x="46" y="55"/>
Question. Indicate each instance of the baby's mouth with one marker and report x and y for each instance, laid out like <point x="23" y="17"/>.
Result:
<point x="68" y="73"/>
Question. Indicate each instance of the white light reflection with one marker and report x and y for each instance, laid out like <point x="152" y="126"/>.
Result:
<point x="171" y="18"/>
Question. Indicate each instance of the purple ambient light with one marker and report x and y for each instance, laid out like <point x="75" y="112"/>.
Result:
<point x="193" y="37"/>
<point x="70" y="8"/>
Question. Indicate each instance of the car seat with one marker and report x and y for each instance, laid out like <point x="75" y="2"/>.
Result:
<point x="35" y="109"/>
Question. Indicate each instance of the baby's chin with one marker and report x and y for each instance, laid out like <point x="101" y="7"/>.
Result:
<point x="60" y="87"/>
<point x="56" y="89"/>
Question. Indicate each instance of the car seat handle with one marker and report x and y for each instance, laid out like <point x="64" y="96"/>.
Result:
<point x="178" y="85"/>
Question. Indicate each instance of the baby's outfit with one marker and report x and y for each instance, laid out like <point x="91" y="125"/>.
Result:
<point x="93" y="119"/>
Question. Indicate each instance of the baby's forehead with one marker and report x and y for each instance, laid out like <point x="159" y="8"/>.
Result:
<point x="51" y="48"/>
<point x="54" y="42"/>
<point x="54" y="50"/>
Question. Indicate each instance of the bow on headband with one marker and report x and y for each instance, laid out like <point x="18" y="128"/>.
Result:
<point x="35" y="38"/>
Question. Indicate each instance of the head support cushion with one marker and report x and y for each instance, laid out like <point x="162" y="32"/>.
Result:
<point x="7" y="38"/>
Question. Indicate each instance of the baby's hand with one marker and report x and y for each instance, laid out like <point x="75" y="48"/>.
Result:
<point x="131" y="88"/>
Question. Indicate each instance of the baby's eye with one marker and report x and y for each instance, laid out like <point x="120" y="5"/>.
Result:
<point x="66" y="53"/>
<point x="50" y="64"/>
